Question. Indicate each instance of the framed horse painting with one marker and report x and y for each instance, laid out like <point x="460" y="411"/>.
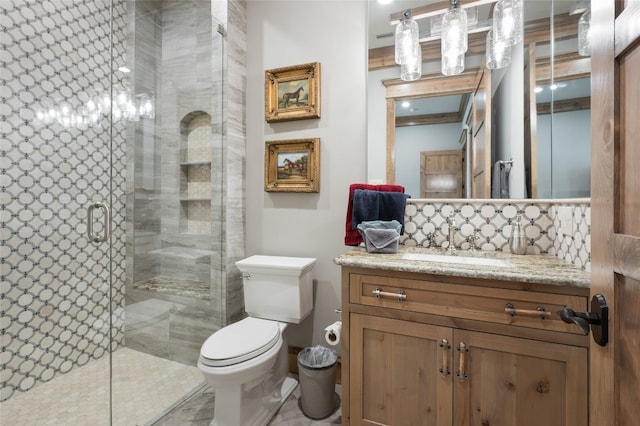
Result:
<point x="292" y="165"/>
<point x="292" y="93"/>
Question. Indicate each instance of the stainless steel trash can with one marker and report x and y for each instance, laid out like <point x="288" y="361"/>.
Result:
<point x="317" y="376"/>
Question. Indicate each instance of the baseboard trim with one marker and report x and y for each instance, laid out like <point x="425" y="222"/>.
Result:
<point x="293" y="363"/>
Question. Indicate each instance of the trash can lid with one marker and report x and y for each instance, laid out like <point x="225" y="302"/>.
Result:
<point x="239" y="342"/>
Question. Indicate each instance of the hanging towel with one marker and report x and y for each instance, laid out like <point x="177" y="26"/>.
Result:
<point x="500" y="180"/>
<point x="352" y="237"/>
<point x="378" y="205"/>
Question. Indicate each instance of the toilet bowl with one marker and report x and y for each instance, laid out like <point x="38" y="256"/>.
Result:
<point x="246" y="363"/>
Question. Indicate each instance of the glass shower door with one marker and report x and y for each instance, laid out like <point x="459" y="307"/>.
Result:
<point x="110" y="188"/>
<point x="60" y="149"/>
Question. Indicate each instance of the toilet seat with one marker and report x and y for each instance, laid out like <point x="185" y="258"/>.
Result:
<point x="239" y="342"/>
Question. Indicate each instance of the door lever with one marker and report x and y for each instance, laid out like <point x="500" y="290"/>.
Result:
<point x="598" y="318"/>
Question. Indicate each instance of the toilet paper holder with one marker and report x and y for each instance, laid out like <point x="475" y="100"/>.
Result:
<point x="333" y="331"/>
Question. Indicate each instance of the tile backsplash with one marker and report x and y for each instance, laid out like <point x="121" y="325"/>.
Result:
<point x="492" y="220"/>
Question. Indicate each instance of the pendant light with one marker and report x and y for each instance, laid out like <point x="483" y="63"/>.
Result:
<point x="412" y="70"/>
<point x="453" y="44"/>
<point x="584" y="30"/>
<point x="507" y="22"/>
<point x="497" y="52"/>
<point x="407" y="35"/>
<point x="408" y="50"/>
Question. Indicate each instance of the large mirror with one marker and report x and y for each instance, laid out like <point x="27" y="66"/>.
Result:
<point x="518" y="132"/>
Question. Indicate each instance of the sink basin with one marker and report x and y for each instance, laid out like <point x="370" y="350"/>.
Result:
<point x="464" y="260"/>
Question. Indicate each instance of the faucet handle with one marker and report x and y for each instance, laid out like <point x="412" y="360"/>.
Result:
<point x="431" y="237"/>
<point x="472" y="240"/>
<point x="450" y="218"/>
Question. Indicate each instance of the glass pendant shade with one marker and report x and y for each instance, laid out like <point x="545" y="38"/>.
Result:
<point x="584" y="37"/>
<point x="407" y="43"/>
<point x="507" y="21"/>
<point x="453" y="44"/>
<point x="412" y="70"/>
<point x="498" y="53"/>
<point x="452" y="64"/>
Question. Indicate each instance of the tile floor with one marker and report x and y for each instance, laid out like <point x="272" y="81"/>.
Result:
<point x="198" y="411"/>
<point x="141" y="395"/>
<point x="81" y="397"/>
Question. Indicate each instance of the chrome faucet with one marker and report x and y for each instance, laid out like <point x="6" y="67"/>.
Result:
<point x="452" y="232"/>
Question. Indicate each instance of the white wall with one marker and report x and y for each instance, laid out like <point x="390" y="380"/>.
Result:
<point x="412" y="140"/>
<point x="571" y="141"/>
<point x="285" y="33"/>
<point x="508" y="128"/>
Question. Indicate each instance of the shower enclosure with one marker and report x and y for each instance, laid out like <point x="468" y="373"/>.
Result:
<point x="116" y="261"/>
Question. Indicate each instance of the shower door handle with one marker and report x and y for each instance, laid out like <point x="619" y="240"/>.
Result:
<point x="106" y="230"/>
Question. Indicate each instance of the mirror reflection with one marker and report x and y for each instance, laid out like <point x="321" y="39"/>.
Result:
<point x="518" y="132"/>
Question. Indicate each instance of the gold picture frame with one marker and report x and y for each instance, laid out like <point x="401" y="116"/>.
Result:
<point x="292" y="93"/>
<point x="292" y="165"/>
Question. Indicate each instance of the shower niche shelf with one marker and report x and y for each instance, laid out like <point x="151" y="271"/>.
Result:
<point x="195" y="173"/>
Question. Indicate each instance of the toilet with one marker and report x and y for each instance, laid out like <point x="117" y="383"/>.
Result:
<point x="246" y="363"/>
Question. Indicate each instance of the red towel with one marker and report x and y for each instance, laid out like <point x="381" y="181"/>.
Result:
<point x="352" y="237"/>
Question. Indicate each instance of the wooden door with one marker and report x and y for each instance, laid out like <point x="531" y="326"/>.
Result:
<point x="395" y="372"/>
<point x="442" y="174"/>
<point x="481" y="139"/>
<point x="615" y="209"/>
<point x="513" y="381"/>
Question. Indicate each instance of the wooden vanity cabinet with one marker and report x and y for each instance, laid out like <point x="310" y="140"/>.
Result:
<point x="437" y="350"/>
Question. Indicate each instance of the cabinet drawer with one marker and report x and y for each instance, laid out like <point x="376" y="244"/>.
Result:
<point x="531" y="309"/>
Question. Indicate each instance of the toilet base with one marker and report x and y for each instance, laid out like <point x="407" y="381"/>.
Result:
<point x="268" y="411"/>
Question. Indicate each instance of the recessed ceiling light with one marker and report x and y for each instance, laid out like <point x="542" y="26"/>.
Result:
<point x="124" y="69"/>
<point x="406" y="104"/>
<point x="538" y="89"/>
<point x="553" y="86"/>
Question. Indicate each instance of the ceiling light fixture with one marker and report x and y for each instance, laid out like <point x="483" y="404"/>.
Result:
<point x="584" y="34"/>
<point x="408" y="51"/>
<point x="507" y="22"/>
<point x="498" y="53"/>
<point x="453" y="44"/>
<point x="407" y="45"/>
<point x="412" y="70"/>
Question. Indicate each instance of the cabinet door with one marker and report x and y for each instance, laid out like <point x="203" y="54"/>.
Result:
<point x="514" y="381"/>
<point x="395" y="375"/>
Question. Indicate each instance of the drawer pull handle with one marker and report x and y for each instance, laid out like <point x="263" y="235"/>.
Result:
<point x="462" y="366"/>
<point x="444" y="370"/>
<point x="539" y="312"/>
<point x="400" y="295"/>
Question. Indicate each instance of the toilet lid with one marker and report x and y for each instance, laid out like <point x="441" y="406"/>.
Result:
<point x="239" y="342"/>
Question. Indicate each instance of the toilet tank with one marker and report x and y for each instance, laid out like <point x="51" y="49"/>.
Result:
<point x="277" y="288"/>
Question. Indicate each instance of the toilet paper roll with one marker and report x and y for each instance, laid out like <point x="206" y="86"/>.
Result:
<point x="332" y="333"/>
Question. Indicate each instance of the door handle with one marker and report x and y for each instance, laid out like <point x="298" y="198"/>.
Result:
<point x="598" y="318"/>
<point x="106" y="230"/>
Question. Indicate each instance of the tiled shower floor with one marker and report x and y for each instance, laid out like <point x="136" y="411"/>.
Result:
<point x="144" y="388"/>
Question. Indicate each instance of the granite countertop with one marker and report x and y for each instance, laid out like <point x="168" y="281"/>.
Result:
<point x="543" y="269"/>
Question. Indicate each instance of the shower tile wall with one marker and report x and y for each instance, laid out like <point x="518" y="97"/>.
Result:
<point x="492" y="221"/>
<point x="179" y="280"/>
<point x="55" y="282"/>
